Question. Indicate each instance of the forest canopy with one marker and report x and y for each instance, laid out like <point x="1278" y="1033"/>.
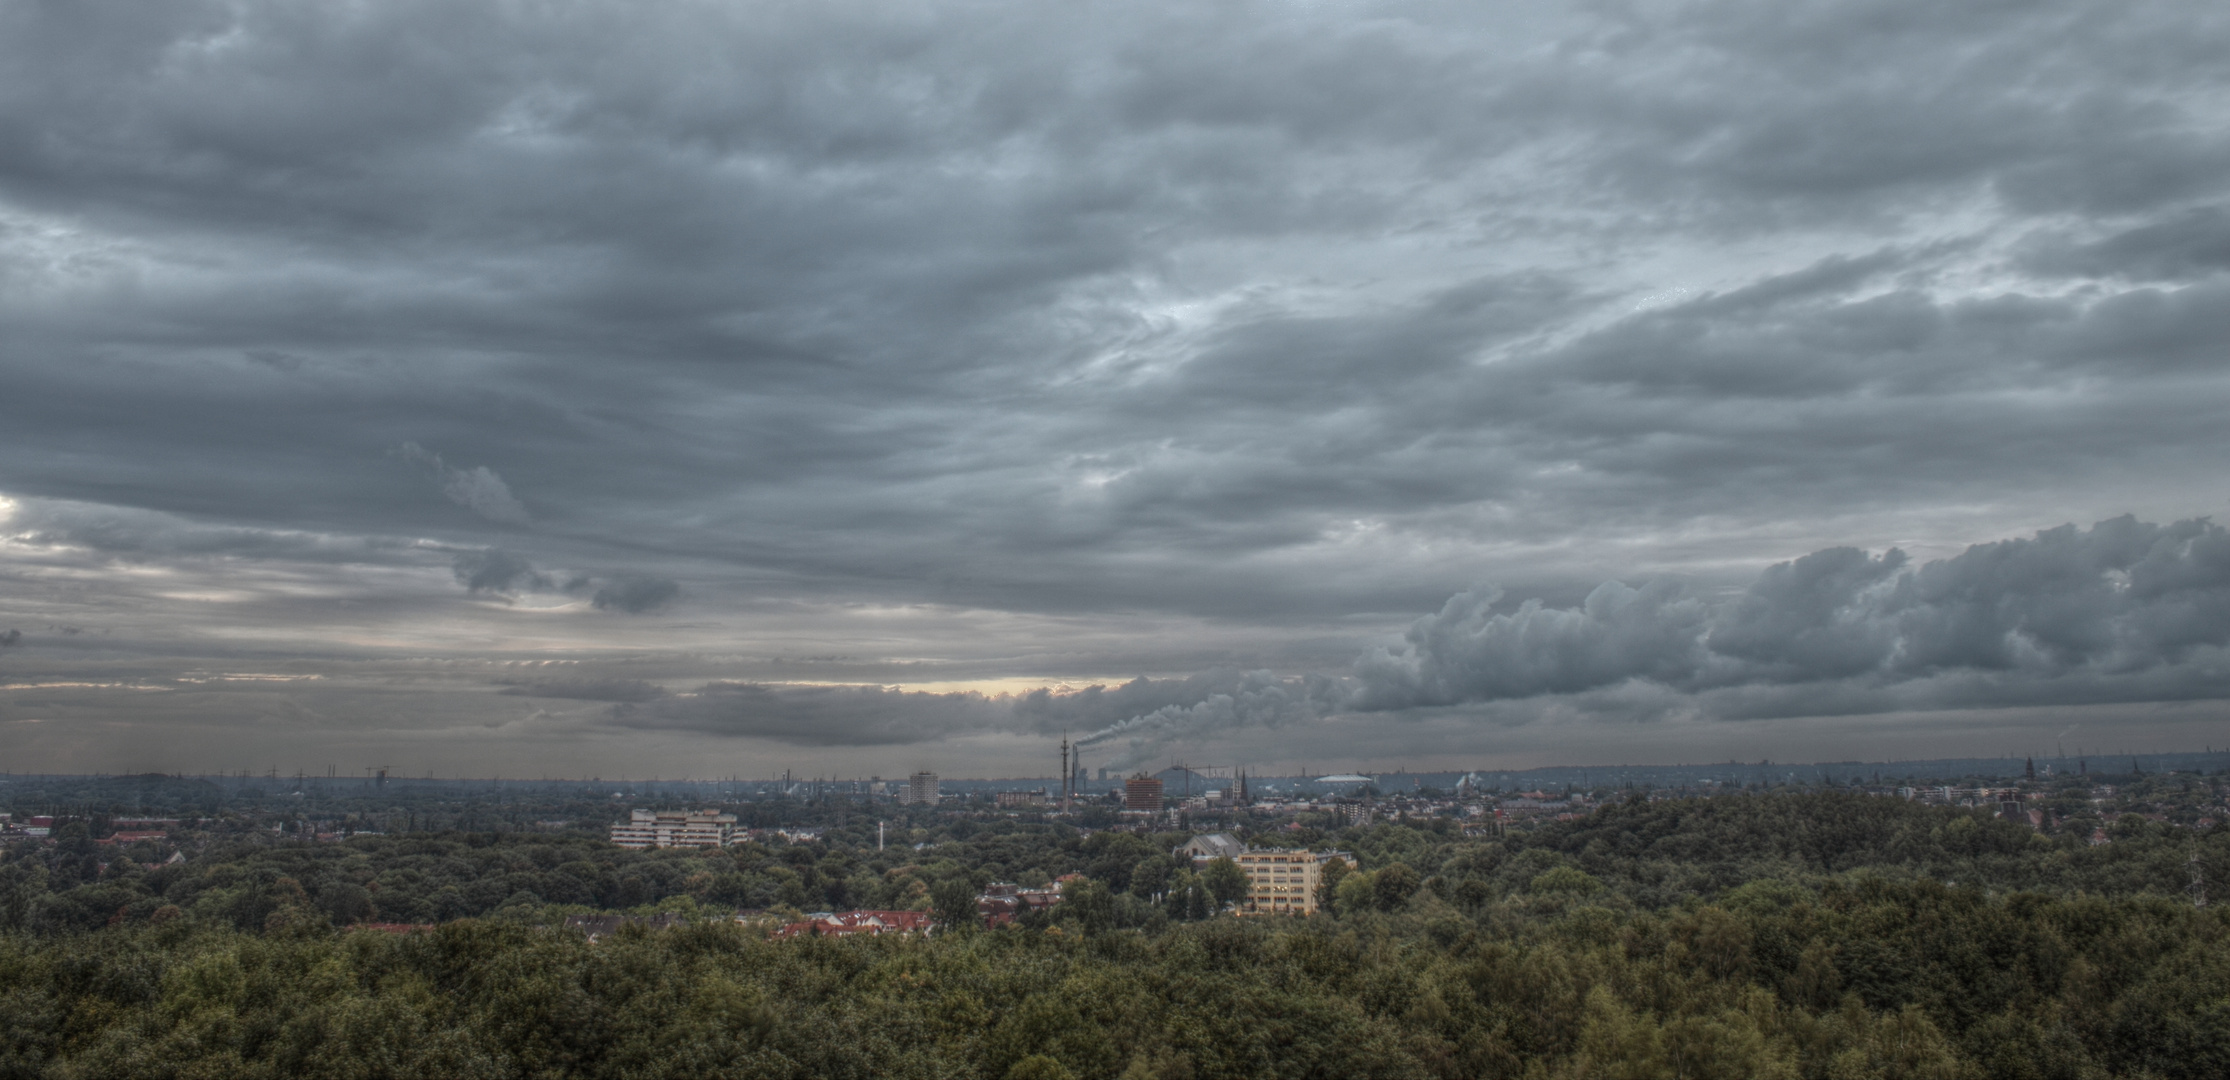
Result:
<point x="1796" y="935"/>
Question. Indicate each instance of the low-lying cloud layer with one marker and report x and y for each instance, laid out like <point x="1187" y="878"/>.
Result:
<point x="2122" y="611"/>
<point x="2125" y="611"/>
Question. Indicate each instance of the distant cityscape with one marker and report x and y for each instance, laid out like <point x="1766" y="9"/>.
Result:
<point x="1187" y="782"/>
<point x="1277" y="878"/>
<point x="154" y="813"/>
<point x="1197" y="841"/>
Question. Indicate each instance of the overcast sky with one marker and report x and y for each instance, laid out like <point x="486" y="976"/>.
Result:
<point x="706" y="388"/>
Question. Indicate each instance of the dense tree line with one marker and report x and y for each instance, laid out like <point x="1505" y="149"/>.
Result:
<point x="1796" y="936"/>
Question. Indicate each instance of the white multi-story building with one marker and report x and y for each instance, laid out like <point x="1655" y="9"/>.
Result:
<point x="674" y="828"/>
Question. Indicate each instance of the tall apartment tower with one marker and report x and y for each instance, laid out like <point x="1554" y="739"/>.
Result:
<point x="921" y="789"/>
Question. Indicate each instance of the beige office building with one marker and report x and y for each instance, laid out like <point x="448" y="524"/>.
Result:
<point x="1283" y="882"/>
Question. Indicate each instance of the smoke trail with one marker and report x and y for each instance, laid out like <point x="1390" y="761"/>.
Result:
<point x="1254" y="699"/>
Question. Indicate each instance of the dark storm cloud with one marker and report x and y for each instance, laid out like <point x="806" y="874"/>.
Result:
<point x="2123" y="611"/>
<point x="497" y="571"/>
<point x="1257" y="318"/>
<point x="634" y="595"/>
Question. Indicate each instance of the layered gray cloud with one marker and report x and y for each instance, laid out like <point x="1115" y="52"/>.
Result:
<point x="997" y="346"/>
<point x="2123" y="611"/>
<point x="631" y="691"/>
<point x="814" y="715"/>
<point x="498" y="571"/>
<point x="508" y="573"/>
<point x="633" y="594"/>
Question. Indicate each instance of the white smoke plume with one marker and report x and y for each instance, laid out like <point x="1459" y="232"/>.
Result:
<point x="1253" y="699"/>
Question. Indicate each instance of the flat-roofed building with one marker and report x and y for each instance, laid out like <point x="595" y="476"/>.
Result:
<point x="674" y="828"/>
<point x="1281" y="882"/>
<point x="1142" y="792"/>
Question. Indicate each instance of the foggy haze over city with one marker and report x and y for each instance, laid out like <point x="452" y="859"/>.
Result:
<point x="703" y="389"/>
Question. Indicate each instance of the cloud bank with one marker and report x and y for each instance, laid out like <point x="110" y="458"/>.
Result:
<point x="2123" y="611"/>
